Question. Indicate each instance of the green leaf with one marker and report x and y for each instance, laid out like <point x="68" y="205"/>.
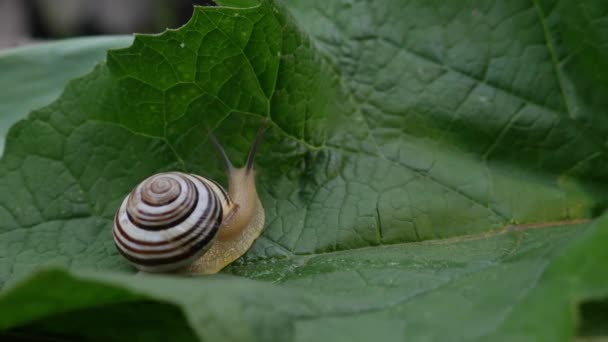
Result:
<point x="390" y="125"/>
<point x="33" y="76"/>
<point x="503" y="286"/>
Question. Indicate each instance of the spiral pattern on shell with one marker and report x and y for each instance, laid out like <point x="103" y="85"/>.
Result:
<point x="169" y="220"/>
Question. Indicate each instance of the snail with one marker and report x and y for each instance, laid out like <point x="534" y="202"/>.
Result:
<point x="185" y="223"/>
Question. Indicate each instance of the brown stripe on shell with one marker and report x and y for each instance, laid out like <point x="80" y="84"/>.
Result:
<point x="192" y="250"/>
<point x="191" y="188"/>
<point x="204" y="215"/>
<point x="123" y="234"/>
<point x="177" y="215"/>
<point x="188" y="200"/>
<point x="171" y="187"/>
<point x="200" y="246"/>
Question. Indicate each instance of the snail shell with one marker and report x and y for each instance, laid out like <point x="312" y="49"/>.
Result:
<point x="169" y="220"/>
<point x="183" y="222"/>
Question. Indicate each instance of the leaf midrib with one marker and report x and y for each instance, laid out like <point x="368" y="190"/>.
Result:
<point x="510" y="228"/>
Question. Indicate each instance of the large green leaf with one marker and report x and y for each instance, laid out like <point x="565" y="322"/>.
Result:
<point x="391" y="124"/>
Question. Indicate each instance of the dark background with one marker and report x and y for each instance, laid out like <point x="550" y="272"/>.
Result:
<point x="27" y="21"/>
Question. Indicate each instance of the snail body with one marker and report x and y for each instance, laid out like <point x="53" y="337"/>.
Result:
<point x="175" y="221"/>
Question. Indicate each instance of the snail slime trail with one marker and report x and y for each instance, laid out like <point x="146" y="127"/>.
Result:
<point x="185" y="223"/>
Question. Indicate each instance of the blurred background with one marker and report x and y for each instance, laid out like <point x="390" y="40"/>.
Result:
<point x="27" y="21"/>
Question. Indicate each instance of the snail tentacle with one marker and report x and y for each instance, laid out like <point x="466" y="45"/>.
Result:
<point x="225" y="160"/>
<point x="254" y="147"/>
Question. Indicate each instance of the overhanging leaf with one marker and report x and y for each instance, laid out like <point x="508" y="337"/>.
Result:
<point x="389" y="125"/>
<point x="498" y="284"/>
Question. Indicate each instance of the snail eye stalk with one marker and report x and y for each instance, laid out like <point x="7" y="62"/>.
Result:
<point x="220" y="150"/>
<point x="254" y="147"/>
